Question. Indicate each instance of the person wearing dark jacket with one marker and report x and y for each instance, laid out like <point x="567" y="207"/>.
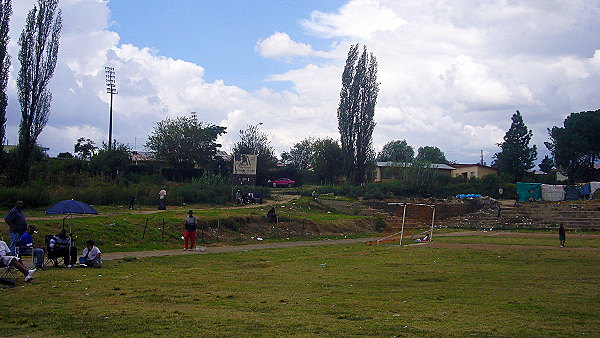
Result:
<point x="562" y="234"/>
<point x="62" y="246"/>
<point x="17" y="224"/>
<point x="272" y="215"/>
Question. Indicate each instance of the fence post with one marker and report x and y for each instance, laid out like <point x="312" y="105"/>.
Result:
<point x="218" y="228"/>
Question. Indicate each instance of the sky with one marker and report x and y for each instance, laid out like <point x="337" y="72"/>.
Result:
<point x="452" y="73"/>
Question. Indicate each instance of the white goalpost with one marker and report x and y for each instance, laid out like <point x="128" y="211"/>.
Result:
<point x="417" y="223"/>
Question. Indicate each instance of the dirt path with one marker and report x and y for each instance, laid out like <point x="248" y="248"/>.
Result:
<point x="242" y="248"/>
<point x="225" y="249"/>
<point x="278" y="199"/>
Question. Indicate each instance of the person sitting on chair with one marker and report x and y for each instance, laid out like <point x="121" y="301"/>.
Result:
<point x="91" y="255"/>
<point x="26" y="247"/>
<point x="17" y="263"/>
<point x="60" y="244"/>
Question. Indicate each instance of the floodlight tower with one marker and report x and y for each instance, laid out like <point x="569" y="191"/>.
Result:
<point x="111" y="88"/>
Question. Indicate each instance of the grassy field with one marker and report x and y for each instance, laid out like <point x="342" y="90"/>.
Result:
<point x="339" y="290"/>
<point x="572" y="242"/>
<point x="118" y="229"/>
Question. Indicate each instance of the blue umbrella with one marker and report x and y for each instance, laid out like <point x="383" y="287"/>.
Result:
<point x="70" y="207"/>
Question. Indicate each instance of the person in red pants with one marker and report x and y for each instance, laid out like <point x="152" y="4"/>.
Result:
<point x="189" y="233"/>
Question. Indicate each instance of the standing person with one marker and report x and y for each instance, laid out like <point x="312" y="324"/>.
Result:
<point x="189" y="232"/>
<point x="161" y="199"/>
<point x="562" y="235"/>
<point x="132" y="201"/>
<point x="63" y="247"/>
<point x="314" y="195"/>
<point x="9" y="260"/>
<point x="259" y="197"/>
<point x="272" y="215"/>
<point x="17" y="224"/>
<point x="26" y="247"/>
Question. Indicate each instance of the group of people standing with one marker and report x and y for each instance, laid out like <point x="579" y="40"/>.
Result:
<point x="22" y="243"/>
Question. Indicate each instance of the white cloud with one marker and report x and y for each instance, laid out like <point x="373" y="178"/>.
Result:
<point x="358" y="19"/>
<point x="281" y="46"/>
<point x="451" y="73"/>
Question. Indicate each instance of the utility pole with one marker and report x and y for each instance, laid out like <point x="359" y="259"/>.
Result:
<point x="111" y="88"/>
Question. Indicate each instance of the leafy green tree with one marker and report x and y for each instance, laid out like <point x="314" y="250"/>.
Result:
<point x="431" y="154"/>
<point x="39" y="43"/>
<point x="396" y="151"/>
<point x="85" y="148"/>
<point x="5" y="13"/>
<point x="576" y="146"/>
<point x="252" y="141"/>
<point x="355" y="113"/>
<point x="326" y="159"/>
<point x="111" y="162"/>
<point x="185" y="143"/>
<point x="547" y="164"/>
<point x="300" y="155"/>
<point x="516" y="156"/>
<point x="65" y="155"/>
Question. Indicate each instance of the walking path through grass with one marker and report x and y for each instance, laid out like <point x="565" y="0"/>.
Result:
<point x="434" y="244"/>
<point x="223" y="249"/>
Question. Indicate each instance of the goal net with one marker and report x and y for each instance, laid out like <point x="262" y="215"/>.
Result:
<point x="411" y="223"/>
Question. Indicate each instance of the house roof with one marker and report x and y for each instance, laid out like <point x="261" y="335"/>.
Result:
<point x="457" y="165"/>
<point x="140" y="156"/>
<point x="408" y="164"/>
<point x="225" y="156"/>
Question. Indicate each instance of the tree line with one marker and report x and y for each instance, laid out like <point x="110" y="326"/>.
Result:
<point x="184" y="144"/>
<point x="38" y="54"/>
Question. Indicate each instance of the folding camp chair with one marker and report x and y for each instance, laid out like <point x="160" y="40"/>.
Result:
<point x="9" y="271"/>
<point x="19" y="254"/>
<point x="51" y="255"/>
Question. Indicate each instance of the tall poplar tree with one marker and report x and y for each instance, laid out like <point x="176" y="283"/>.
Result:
<point x="516" y="156"/>
<point x="5" y="13"/>
<point x="356" y="110"/>
<point x="39" y="43"/>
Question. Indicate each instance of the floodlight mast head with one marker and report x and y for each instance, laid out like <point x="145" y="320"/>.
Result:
<point x="111" y="89"/>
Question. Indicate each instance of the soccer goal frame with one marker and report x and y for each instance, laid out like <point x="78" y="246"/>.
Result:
<point x="400" y="234"/>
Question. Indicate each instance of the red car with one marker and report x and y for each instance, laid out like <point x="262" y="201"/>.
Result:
<point x="282" y="182"/>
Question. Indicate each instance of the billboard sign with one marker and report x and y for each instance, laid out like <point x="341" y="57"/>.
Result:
<point x="244" y="164"/>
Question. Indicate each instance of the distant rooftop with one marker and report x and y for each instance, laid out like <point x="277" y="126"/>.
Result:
<point x="408" y="164"/>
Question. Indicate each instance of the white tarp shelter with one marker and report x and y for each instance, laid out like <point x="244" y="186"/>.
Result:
<point x="553" y="192"/>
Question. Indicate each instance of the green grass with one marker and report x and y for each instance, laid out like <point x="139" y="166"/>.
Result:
<point x="534" y="241"/>
<point x="118" y="229"/>
<point x="332" y="290"/>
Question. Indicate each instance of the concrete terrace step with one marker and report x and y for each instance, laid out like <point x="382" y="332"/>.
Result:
<point x="579" y="215"/>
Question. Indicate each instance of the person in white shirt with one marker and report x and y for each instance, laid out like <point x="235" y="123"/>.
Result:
<point x="161" y="199"/>
<point x="7" y="260"/>
<point x="91" y="255"/>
